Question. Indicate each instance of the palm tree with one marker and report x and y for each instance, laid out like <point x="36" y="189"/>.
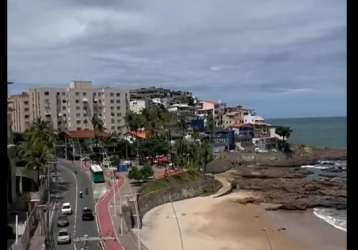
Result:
<point x="38" y="146"/>
<point x="284" y="132"/>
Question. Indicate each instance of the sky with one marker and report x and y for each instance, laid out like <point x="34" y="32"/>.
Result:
<point x="281" y="58"/>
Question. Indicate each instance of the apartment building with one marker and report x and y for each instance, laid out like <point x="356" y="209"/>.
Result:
<point x="19" y="110"/>
<point x="71" y="108"/>
<point x="112" y="105"/>
<point x="216" y="109"/>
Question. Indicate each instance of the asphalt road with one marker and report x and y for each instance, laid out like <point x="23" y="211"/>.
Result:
<point x="67" y="189"/>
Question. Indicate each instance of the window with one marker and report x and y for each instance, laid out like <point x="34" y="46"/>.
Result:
<point x="112" y="120"/>
<point x="77" y="101"/>
<point x="119" y="120"/>
<point x="85" y="121"/>
<point x="84" y="93"/>
<point x="63" y="93"/>
<point x="46" y="93"/>
<point x="118" y="127"/>
<point x="77" y="93"/>
<point x="85" y="115"/>
<point x="78" y="107"/>
<point x="118" y="101"/>
<point x="112" y="107"/>
<point x="26" y="109"/>
<point x="113" y="127"/>
<point x="112" y="114"/>
<point x="63" y="107"/>
<point x="27" y="116"/>
<point x="26" y="102"/>
<point x="78" y="128"/>
<point x="94" y="94"/>
<point x="111" y="94"/>
<point x="118" y="94"/>
<point x="78" y="115"/>
<point x="118" y="107"/>
<point x="119" y="114"/>
<point x="78" y="121"/>
<point x="112" y="101"/>
<point x="63" y="101"/>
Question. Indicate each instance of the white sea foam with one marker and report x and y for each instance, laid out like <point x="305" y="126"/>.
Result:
<point x="316" y="166"/>
<point x="336" y="218"/>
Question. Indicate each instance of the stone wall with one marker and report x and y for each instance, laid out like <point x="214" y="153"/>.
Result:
<point x="203" y="186"/>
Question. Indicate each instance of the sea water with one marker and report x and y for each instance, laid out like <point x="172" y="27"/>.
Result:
<point x="328" y="132"/>
<point x="334" y="217"/>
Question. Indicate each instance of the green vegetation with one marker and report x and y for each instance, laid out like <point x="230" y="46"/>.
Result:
<point x="146" y="171"/>
<point x="169" y="181"/>
<point x="285" y="132"/>
<point x="193" y="156"/>
<point x="37" y="147"/>
<point x="154" y="120"/>
<point x="141" y="175"/>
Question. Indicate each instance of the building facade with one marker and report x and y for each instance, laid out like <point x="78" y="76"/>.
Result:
<point x="71" y="108"/>
<point x="19" y="111"/>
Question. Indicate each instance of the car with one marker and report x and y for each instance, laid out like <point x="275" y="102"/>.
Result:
<point x="62" y="221"/>
<point x="63" y="237"/>
<point x="66" y="208"/>
<point x="87" y="214"/>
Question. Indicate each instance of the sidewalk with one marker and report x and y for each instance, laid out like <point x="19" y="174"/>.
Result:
<point x="38" y="240"/>
<point x="129" y="238"/>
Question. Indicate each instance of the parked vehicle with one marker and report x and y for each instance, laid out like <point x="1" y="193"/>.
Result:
<point x="66" y="208"/>
<point x="81" y="194"/>
<point x="87" y="214"/>
<point x="63" y="237"/>
<point x="62" y="221"/>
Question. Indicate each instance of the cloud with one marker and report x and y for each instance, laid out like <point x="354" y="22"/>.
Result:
<point x="233" y="50"/>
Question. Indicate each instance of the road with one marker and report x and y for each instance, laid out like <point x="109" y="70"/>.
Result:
<point x="67" y="189"/>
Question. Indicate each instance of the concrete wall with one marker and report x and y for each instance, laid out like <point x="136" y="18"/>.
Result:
<point x="207" y="185"/>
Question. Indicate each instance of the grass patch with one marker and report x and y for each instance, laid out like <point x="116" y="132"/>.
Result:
<point x="174" y="180"/>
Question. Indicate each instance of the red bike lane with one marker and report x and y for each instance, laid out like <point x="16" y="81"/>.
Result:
<point x="104" y="218"/>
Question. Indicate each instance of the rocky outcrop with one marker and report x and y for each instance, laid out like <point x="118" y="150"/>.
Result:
<point x="300" y="155"/>
<point x="290" y="188"/>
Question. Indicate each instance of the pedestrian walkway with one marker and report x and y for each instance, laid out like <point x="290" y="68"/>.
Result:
<point x="38" y="240"/>
<point x="226" y="186"/>
<point x="104" y="220"/>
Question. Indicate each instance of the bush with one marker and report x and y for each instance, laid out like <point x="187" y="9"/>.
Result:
<point x="134" y="173"/>
<point x="146" y="171"/>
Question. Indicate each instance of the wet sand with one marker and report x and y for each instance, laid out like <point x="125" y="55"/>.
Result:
<point x="224" y="224"/>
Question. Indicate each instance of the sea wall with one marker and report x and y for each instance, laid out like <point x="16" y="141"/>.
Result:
<point x="203" y="186"/>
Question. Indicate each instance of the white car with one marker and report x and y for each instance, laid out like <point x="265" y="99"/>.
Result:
<point x="63" y="237"/>
<point x="66" y="208"/>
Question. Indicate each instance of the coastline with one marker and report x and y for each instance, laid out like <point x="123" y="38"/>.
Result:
<point x="223" y="223"/>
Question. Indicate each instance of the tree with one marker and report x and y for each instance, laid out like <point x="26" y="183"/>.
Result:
<point x="284" y="132"/>
<point x="134" y="173"/>
<point x="146" y="171"/>
<point x="37" y="147"/>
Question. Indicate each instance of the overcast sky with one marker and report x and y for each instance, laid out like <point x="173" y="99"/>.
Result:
<point x="283" y="58"/>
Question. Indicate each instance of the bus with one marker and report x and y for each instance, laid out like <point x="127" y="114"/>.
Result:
<point x="97" y="174"/>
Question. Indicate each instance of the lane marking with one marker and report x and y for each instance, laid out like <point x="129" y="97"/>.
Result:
<point x="75" y="224"/>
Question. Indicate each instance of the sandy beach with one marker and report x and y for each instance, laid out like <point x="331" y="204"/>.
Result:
<point x="224" y="224"/>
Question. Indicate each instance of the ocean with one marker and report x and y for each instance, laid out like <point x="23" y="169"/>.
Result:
<point x="334" y="217"/>
<point x="328" y="132"/>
